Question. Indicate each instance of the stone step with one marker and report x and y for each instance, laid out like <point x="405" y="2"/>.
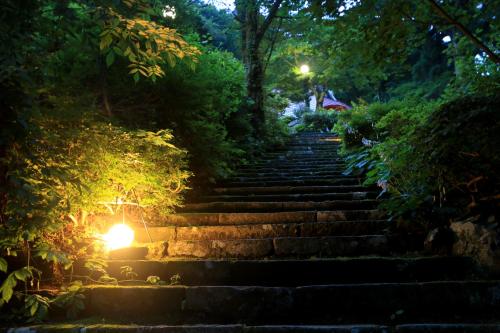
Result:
<point x="310" y="154"/>
<point x="378" y="303"/>
<point x="197" y="219"/>
<point x="289" y="173"/>
<point x="295" y="272"/>
<point x="239" y="328"/>
<point x="314" y="143"/>
<point x="260" y="206"/>
<point x="290" y="197"/>
<point x="305" y="160"/>
<point x="294" y="167"/>
<point x="277" y="177"/>
<point x="289" y="189"/>
<point x="280" y="247"/>
<point x="305" y="153"/>
<point x="295" y="164"/>
<point x="294" y="182"/>
<point x="271" y="168"/>
<point x="321" y="148"/>
<point x="298" y="159"/>
<point x="314" y="229"/>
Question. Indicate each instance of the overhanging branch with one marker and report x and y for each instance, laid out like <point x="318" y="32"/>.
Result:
<point x="464" y="30"/>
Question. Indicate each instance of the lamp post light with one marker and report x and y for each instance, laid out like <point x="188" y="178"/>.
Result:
<point x="304" y="69"/>
<point x="119" y="236"/>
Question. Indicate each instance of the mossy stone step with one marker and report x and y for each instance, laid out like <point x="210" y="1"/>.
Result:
<point x="300" y="155"/>
<point x="375" y="303"/>
<point x="197" y="219"/>
<point x="294" y="272"/>
<point x="311" y="161"/>
<point x="290" y="189"/>
<point x="296" y="182"/>
<point x="327" y="247"/>
<point x="133" y="328"/>
<point x="259" y="178"/>
<point x="259" y="206"/>
<point x="295" y="168"/>
<point x="314" y="229"/>
<point x="289" y="172"/>
<point x="281" y="173"/>
<point x="290" y="197"/>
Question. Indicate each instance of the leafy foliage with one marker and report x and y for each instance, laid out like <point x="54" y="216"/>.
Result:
<point x="202" y="107"/>
<point x="72" y="164"/>
<point x="435" y="159"/>
<point x="318" y="121"/>
<point x="145" y="44"/>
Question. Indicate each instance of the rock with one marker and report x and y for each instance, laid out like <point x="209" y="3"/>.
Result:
<point x="439" y="241"/>
<point x="477" y="241"/>
<point x="157" y="250"/>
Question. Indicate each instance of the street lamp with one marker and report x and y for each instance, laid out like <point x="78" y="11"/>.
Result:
<point x="304" y="69"/>
<point x="120" y="235"/>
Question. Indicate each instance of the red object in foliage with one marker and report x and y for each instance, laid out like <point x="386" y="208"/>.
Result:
<point x="335" y="105"/>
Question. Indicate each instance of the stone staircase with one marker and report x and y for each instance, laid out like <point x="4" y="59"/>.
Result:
<point x="289" y="244"/>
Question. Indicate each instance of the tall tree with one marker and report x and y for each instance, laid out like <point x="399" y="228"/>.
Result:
<point x="254" y="25"/>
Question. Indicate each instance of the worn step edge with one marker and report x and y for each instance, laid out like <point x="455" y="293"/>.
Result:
<point x="291" y="182"/>
<point x="324" y="246"/>
<point x="289" y="197"/>
<point x="289" y="189"/>
<point x="260" y="206"/>
<point x="239" y="328"/>
<point x="294" y="272"/>
<point x="242" y="231"/>
<point x="341" y="303"/>
<point x="285" y="177"/>
<point x="196" y="219"/>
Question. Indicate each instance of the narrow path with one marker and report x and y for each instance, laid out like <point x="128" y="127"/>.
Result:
<point x="289" y="244"/>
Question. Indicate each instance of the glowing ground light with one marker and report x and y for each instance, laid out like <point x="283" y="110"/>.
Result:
<point x="120" y="235"/>
<point x="304" y="69"/>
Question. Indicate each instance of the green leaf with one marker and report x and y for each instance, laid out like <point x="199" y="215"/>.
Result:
<point x="22" y="274"/>
<point x="34" y="308"/>
<point x="7" y="287"/>
<point x="105" y="42"/>
<point x="110" y="58"/>
<point x="3" y="265"/>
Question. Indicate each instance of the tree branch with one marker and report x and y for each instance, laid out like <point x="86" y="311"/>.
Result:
<point x="271" y="48"/>
<point x="267" y="21"/>
<point x="464" y="30"/>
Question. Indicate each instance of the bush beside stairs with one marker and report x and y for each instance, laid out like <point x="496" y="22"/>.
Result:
<point x="290" y="244"/>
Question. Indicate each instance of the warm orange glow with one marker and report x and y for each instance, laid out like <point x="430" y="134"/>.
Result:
<point x="118" y="236"/>
<point x="331" y="139"/>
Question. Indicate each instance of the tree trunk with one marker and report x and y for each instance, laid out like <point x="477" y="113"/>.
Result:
<point x="255" y="90"/>
<point x="103" y="73"/>
<point x="252" y="32"/>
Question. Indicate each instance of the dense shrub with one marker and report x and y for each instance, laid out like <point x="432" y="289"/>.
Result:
<point x="201" y="106"/>
<point x="318" y="121"/>
<point x="438" y="160"/>
<point x="459" y="145"/>
<point x="71" y="163"/>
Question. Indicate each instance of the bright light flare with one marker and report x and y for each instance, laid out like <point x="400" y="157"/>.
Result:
<point x="120" y="235"/>
<point x="304" y="69"/>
